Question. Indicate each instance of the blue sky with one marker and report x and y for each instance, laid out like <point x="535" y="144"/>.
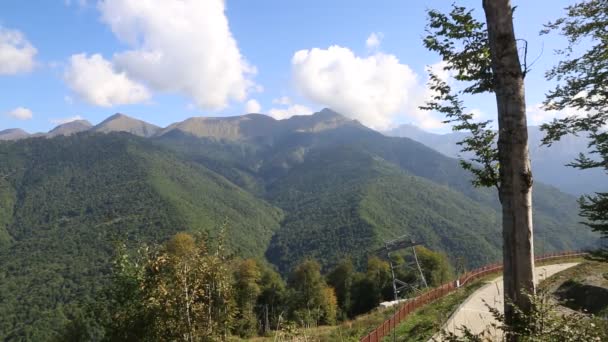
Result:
<point x="208" y="68"/>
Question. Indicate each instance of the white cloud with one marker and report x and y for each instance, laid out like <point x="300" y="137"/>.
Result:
<point x="537" y="114"/>
<point x="373" y="90"/>
<point x="431" y="120"/>
<point x="16" y="52"/>
<point x="374" y="40"/>
<point x="182" y="47"/>
<point x="62" y="121"/>
<point x="252" y="106"/>
<point x="68" y="99"/>
<point x="439" y="70"/>
<point x="283" y="100"/>
<point x="478" y="115"/>
<point x="20" y="113"/>
<point x="95" y="81"/>
<point x="285" y="113"/>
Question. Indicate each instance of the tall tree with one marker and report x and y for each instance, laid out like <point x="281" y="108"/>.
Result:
<point x="515" y="173"/>
<point x="247" y="289"/>
<point x="486" y="57"/>
<point x="582" y="92"/>
<point x="341" y="279"/>
<point x="313" y="301"/>
<point x="272" y="299"/>
<point x="187" y="289"/>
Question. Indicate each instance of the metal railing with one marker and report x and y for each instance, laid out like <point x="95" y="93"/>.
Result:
<point x="411" y="305"/>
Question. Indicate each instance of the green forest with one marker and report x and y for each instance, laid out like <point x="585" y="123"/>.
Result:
<point x="327" y="195"/>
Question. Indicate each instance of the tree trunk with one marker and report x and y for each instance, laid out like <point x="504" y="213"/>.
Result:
<point x="515" y="174"/>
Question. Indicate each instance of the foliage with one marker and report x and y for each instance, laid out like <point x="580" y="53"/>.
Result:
<point x="435" y="266"/>
<point x="462" y="42"/>
<point x="70" y="198"/>
<point x="313" y="302"/>
<point x="273" y="297"/>
<point x="581" y="93"/>
<point x="247" y="290"/>
<point x="341" y="278"/>
<point x="188" y="290"/>
<point x="183" y="291"/>
<point x="481" y="141"/>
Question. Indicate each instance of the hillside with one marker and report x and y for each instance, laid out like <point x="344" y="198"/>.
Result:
<point x="548" y="163"/>
<point x="317" y="186"/>
<point x="65" y="200"/>
<point x="348" y="186"/>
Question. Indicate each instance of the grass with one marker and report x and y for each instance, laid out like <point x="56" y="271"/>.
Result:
<point x="577" y="273"/>
<point x="582" y="288"/>
<point x="350" y="331"/>
<point x="428" y="320"/>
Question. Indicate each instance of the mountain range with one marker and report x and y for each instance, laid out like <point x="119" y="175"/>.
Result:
<point x="549" y="164"/>
<point x="318" y="186"/>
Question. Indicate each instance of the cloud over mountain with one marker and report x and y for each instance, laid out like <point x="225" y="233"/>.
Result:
<point x="253" y="106"/>
<point x="181" y="47"/>
<point x="95" y="81"/>
<point x="289" y="111"/>
<point x="374" y="89"/>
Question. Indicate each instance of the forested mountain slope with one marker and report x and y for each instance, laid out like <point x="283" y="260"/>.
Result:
<point x="319" y="186"/>
<point x="346" y="188"/>
<point x="65" y="200"/>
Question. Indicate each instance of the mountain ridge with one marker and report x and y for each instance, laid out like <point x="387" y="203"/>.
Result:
<point x="548" y="163"/>
<point x="122" y="123"/>
<point x="235" y="127"/>
<point x="69" y="128"/>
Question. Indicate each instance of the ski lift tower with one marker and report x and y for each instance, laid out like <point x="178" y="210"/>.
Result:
<point x="400" y="243"/>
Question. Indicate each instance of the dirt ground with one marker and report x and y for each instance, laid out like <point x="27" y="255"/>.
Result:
<point x="583" y="288"/>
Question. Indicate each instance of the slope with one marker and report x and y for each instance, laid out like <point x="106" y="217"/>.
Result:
<point x="356" y="200"/>
<point x="344" y="201"/>
<point x="320" y="178"/>
<point x="67" y="199"/>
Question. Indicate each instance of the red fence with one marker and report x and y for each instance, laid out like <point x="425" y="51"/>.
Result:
<point x="385" y="328"/>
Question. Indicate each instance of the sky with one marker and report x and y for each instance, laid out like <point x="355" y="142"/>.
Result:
<point x="163" y="61"/>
